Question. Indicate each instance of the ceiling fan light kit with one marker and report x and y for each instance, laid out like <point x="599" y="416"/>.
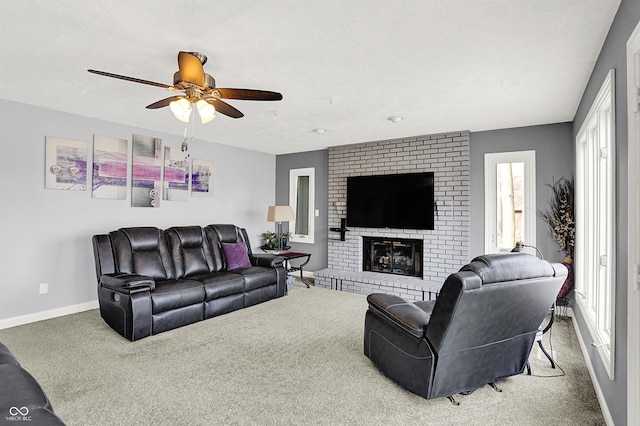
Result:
<point x="198" y="88"/>
<point x="181" y="109"/>
<point x="206" y="110"/>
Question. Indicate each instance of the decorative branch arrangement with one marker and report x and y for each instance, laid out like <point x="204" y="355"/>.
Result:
<point x="561" y="215"/>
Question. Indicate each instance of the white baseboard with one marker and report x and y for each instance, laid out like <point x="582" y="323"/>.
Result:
<point x="45" y="315"/>
<point x="596" y="385"/>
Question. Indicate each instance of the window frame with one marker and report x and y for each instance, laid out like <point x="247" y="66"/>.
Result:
<point x="633" y="295"/>
<point x="294" y="174"/>
<point x="595" y="254"/>
<point x="491" y="160"/>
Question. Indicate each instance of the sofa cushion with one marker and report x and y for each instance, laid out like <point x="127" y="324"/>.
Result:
<point x="175" y="294"/>
<point x="236" y="255"/>
<point x="226" y="233"/>
<point x="221" y="284"/>
<point x="257" y="276"/>
<point x="142" y="251"/>
<point x="216" y="235"/>
<point x="189" y="250"/>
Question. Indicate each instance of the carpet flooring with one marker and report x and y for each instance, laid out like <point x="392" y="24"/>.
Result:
<point x="296" y="360"/>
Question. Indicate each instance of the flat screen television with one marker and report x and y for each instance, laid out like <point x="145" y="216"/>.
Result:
<point x="391" y="201"/>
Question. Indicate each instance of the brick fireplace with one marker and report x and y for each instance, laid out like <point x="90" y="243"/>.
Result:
<point x="444" y="249"/>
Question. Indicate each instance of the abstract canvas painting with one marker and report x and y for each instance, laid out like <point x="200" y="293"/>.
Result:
<point x="110" y="157"/>
<point x="176" y="175"/>
<point x="202" y="178"/>
<point x="66" y="164"/>
<point x="146" y="169"/>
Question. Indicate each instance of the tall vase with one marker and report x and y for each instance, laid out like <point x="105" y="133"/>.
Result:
<point x="567" y="286"/>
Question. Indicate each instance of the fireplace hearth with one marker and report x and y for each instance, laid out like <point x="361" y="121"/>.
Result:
<point x="392" y="256"/>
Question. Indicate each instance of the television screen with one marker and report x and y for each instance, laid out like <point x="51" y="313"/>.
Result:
<point x="391" y="201"/>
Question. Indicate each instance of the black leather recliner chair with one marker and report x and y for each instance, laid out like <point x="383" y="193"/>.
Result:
<point x="480" y="328"/>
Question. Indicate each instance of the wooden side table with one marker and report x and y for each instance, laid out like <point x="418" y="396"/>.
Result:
<point x="290" y="255"/>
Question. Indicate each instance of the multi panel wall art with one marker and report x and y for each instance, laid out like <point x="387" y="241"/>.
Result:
<point x="202" y="178"/>
<point x="110" y="159"/>
<point x="65" y="164"/>
<point x="176" y="175"/>
<point x="146" y="162"/>
<point x="150" y="172"/>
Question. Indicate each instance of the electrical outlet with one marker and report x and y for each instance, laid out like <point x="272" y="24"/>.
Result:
<point x="44" y="288"/>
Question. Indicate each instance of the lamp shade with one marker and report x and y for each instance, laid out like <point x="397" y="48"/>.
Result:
<point x="279" y="214"/>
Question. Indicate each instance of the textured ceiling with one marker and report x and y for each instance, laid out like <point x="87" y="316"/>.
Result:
<point x="344" y="66"/>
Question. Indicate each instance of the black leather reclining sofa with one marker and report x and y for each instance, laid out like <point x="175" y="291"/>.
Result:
<point x="150" y="280"/>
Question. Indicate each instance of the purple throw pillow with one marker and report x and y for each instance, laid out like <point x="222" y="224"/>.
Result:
<point x="236" y="254"/>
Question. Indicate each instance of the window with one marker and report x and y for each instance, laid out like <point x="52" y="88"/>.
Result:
<point x="510" y="204"/>
<point x="595" y="222"/>
<point x="633" y="295"/>
<point x="301" y="198"/>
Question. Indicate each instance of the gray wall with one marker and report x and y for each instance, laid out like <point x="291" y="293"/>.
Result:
<point x="554" y="158"/>
<point x="320" y="161"/>
<point x="46" y="234"/>
<point x="613" y="55"/>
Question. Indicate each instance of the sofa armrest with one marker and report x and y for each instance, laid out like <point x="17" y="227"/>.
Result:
<point x="267" y="260"/>
<point x="127" y="283"/>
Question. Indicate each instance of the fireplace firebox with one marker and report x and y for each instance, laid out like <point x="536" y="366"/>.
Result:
<point x="392" y="256"/>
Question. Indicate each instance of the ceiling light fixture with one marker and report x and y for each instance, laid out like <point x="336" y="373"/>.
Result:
<point x="206" y="110"/>
<point x="198" y="88"/>
<point x="319" y="131"/>
<point x="181" y="109"/>
<point x="395" y="119"/>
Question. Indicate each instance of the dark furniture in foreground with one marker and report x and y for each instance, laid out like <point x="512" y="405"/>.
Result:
<point x="22" y="400"/>
<point x="480" y="328"/>
<point x="150" y="280"/>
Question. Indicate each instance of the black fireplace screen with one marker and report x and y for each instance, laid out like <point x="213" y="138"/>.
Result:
<point x="400" y="257"/>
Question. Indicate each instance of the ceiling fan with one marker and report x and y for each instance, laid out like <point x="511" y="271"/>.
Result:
<point x="198" y="88"/>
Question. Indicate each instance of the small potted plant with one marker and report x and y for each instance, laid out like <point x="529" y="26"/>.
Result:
<point x="270" y="240"/>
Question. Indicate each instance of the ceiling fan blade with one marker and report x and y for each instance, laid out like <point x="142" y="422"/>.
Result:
<point x="164" y="102"/>
<point x="135" y="80"/>
<point x="250" y="94"/>
<point x="191" y="69"/>
<point x="225" y="108"/>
